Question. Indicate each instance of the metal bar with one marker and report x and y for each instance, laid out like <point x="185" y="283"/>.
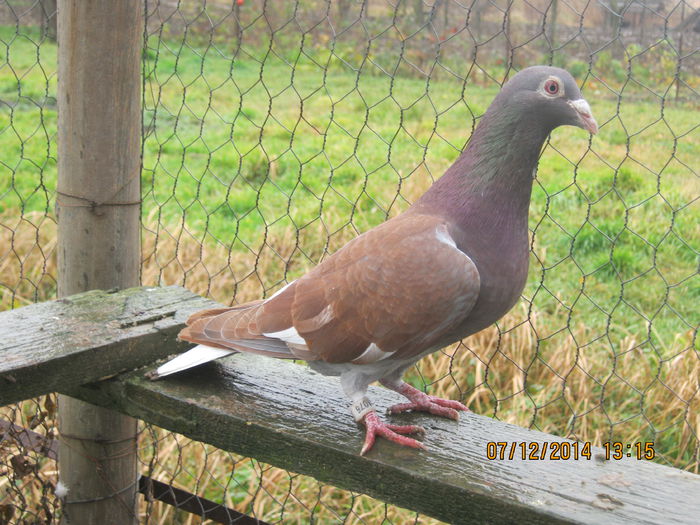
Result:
<point x="183" y="500"/>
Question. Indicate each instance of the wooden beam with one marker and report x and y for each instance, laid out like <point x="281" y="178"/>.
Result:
<point x="286" y="415"/>
<point x="56" y="345"/>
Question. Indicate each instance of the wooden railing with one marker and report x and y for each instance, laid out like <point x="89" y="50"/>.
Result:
<point x="99" y="346"/>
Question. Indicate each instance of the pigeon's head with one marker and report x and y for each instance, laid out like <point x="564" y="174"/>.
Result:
<point x="550" y="96"/>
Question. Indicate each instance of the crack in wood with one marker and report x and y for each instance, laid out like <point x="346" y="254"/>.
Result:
<point x="139" y="321"/>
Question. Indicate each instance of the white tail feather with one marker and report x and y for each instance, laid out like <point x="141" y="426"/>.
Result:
<point x="198" y="355"/>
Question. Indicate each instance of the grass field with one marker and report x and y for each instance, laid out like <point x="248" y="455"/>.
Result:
<point x="253" y="172"/>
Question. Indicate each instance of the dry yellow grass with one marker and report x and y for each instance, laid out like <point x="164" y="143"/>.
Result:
<point x="590" y="393"/>
<point x="27" y="259"/>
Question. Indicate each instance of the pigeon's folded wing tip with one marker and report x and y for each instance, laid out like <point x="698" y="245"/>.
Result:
<point x="198" y="355"/>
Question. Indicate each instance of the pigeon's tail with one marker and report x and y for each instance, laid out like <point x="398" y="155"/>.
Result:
<point x="223" y="331"/>
<point x="198" y="355"/>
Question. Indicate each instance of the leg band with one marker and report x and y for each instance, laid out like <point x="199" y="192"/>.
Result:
<point x="361" y="408"/>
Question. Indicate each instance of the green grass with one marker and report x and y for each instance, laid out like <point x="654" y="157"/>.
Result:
<point x="282" y="143"/>
<point x="254" y="170"/>
<point x="241" y="151"/>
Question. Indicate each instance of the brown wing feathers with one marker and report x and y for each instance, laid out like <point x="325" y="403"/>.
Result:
<point x="356" y="298"/>
<point x="230" y="328"/>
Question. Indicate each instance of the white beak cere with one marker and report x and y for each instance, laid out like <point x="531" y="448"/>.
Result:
<point x="584" y="113"/>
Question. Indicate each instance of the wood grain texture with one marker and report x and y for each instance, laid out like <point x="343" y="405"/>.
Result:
<point x="56" y="345"/>
<point x="287" y="415"/>
<point x="98" y="200"/>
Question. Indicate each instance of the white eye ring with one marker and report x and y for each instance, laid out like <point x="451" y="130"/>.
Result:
<point x="553" y="87"/>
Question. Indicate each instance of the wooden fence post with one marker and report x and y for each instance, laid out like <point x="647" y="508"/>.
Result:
<point x="99" y="150"/>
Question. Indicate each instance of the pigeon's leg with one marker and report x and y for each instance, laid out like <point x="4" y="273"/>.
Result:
<point x="354" y="385"/>
<point x="376" y="427"/>
<point x="422" y="402"/>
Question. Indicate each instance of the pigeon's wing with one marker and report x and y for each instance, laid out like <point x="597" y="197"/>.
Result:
<point x="393" y="292"/>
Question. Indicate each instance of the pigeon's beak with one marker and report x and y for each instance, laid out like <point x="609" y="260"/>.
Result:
<point x="583" y="110"/>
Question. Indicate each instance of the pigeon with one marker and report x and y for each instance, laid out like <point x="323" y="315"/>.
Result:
<point x="449" y="266"/>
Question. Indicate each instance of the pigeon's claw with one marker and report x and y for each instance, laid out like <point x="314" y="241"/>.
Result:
<point x="449" y="403"/>
<point x="376" y="427"/>
<point x="422" y="402"/>
<point x="433" y="406"/>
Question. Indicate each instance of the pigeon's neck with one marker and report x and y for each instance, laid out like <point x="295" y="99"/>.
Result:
<point x="489" y="185"/>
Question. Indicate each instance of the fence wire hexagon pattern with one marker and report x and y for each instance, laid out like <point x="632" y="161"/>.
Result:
<point x="273" y="133"/>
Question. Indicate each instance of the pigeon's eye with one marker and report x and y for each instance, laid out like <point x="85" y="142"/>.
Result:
<point x="551" y="87"/>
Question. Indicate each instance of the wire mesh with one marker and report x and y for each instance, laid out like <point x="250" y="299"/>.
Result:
<point x="274" y="132"/>
<point x="27" y="240"/>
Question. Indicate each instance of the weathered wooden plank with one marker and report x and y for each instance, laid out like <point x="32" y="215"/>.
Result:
<point x="286" y="415"/>
<point x="56" y="345"/>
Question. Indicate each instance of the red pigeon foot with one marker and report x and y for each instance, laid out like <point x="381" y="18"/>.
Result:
<point x="422" y="402"/>
<point x="376" y="427"/>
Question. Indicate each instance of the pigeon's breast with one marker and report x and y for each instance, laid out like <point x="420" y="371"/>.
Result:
<point x="502" y="263"/>
<point x="502" y="283"/>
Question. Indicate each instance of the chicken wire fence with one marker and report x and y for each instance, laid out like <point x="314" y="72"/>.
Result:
<point x="274" y="132"/>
